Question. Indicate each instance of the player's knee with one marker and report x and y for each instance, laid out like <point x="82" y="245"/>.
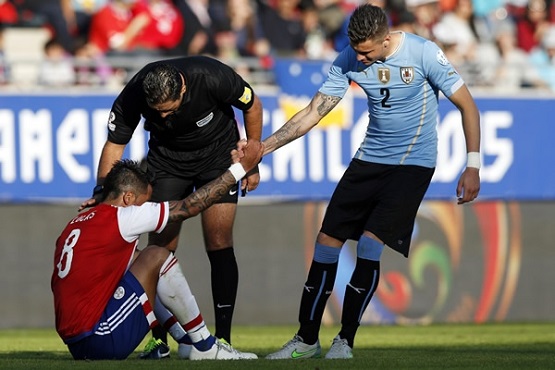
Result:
<point x="370" y="247"/>
<point x="154" y="255"/>
<point x="214" y="247"/>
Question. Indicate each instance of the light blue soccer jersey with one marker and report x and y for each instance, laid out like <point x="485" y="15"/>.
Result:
<point x="402" y="99"/>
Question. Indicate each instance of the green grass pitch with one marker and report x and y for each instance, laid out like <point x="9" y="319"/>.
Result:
<point x="464" y="346"/>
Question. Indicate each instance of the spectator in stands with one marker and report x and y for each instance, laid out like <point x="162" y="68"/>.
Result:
<point x="56" y="69"/>
<point x="164" y="26"/>
<point x="317" y="44"/>
<point x="532" y="25"/>
<point x="115" y="27"/>
<point x="486" y="15"/>
<point x="4" y="66"/>
<point x="330" y="16"/>
<point x="49" y="13"/>
<point x="198" y="37"/>
<point x="427" y="14"/>
<point x="250" y="40"/>
<point x="283" y="27"/>
<point x="543" y="57"/>
<point x="514" y="69"/>
<point x="459" y="22"/>
<point x="404" y="21"/>
<point x="471" y="56"/>
<point x="8" y="13"/>
<point x="78" y="14"/>
<point x="226" y="43"/>
<point x="91" y="68"/>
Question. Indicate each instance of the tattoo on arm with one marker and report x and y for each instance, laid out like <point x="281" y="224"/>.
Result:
<point x="201" y="199"/>
<point x="293" y="129"/>
<point x="325" y="103"/>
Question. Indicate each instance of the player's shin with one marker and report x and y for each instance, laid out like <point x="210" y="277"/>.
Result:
<point x="317" y="289"/>
<point x="175" y="294"/>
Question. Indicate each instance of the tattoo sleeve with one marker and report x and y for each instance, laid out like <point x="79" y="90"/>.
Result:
<point x="325" y="103"/>
<point x="302" y="122"/>
<point x="201" y="199"/>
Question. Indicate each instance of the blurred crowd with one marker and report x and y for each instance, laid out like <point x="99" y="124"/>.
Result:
<point x="504" y="45"/>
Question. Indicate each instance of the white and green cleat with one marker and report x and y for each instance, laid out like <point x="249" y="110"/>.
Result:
<point x="296" y="349"/>
<point x="339" y="349"/>
<point x="221" y="350"/>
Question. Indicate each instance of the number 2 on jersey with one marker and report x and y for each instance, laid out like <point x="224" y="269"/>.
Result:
<point x="385" y="91"/>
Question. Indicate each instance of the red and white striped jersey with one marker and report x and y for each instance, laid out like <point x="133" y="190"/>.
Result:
<point x="92" y="254"/>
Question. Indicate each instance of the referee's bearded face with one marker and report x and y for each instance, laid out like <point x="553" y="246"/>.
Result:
<point x="169" y="107"/>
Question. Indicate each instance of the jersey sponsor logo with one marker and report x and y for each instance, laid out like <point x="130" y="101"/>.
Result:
<point x="111" y="124"/>
<point x="247" y="96"/>
<point x="205" y="120"/>
<point x="384" y="75"/>
<point x="407" y="74"/>
<point x="441" y="58"/>
<point x="119" y="293"/>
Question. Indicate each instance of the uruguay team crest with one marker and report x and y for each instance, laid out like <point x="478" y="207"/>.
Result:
<point x="384" y="75"/>
<point x="407" y="74"/>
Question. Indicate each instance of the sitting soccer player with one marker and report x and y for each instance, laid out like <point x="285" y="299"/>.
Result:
<point x="106" y="300"/>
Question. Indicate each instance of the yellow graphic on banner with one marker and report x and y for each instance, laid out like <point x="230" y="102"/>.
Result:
<point x="340" y="116"/>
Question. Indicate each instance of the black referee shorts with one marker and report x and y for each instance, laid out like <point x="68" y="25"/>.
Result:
<point x="382" y="199"/>
<point x="176" y="174"/>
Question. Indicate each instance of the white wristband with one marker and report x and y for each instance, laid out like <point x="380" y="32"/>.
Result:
<point x="237" y="171"/>
<point x="473" y="160"/>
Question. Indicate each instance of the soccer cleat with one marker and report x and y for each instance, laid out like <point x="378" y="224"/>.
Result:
<point x="339" y="349"/>
<point x="184" y="351"/>
<point x="155" y="349"/>
<point x="295" y="349"/>
<point x="220" y="350"/>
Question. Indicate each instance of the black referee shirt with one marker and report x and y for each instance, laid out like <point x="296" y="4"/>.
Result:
<point x="205" y="115"/>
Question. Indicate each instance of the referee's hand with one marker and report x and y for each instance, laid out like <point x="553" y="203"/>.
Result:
<point x="87" y="204"/>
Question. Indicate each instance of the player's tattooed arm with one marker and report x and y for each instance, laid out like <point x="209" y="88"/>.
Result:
<point x="248" y="156"/>
<point x="301" y="122"/>
<point x="324" y="103"/>
<point x="201" y="199"/>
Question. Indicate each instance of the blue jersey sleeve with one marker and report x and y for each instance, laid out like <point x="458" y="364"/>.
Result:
<point x="440" y="72"/>
<point x="337" y="82"/>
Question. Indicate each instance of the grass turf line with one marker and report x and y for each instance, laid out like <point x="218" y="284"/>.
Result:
<point x="438" y="346"/>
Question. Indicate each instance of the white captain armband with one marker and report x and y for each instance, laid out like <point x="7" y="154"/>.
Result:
<point x="237" y="171"/>
<point x="473" y="160"/>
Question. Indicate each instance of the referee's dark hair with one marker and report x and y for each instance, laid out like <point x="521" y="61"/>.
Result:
<point x="162" y="84"/>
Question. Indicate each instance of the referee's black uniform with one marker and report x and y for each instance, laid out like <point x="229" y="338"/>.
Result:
<point x="194" y="143"/>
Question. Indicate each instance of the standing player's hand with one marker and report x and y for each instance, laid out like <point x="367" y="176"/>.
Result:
<point x="250" y="154"/>
<point x="468" y="186"/>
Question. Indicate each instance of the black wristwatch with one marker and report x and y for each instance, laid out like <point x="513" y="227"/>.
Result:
<point x="98" y="189"/>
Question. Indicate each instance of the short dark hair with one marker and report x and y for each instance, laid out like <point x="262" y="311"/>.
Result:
<point x="161" y="84"/>
<point x="368" y="22"/>
<point x="125" y="175"/>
